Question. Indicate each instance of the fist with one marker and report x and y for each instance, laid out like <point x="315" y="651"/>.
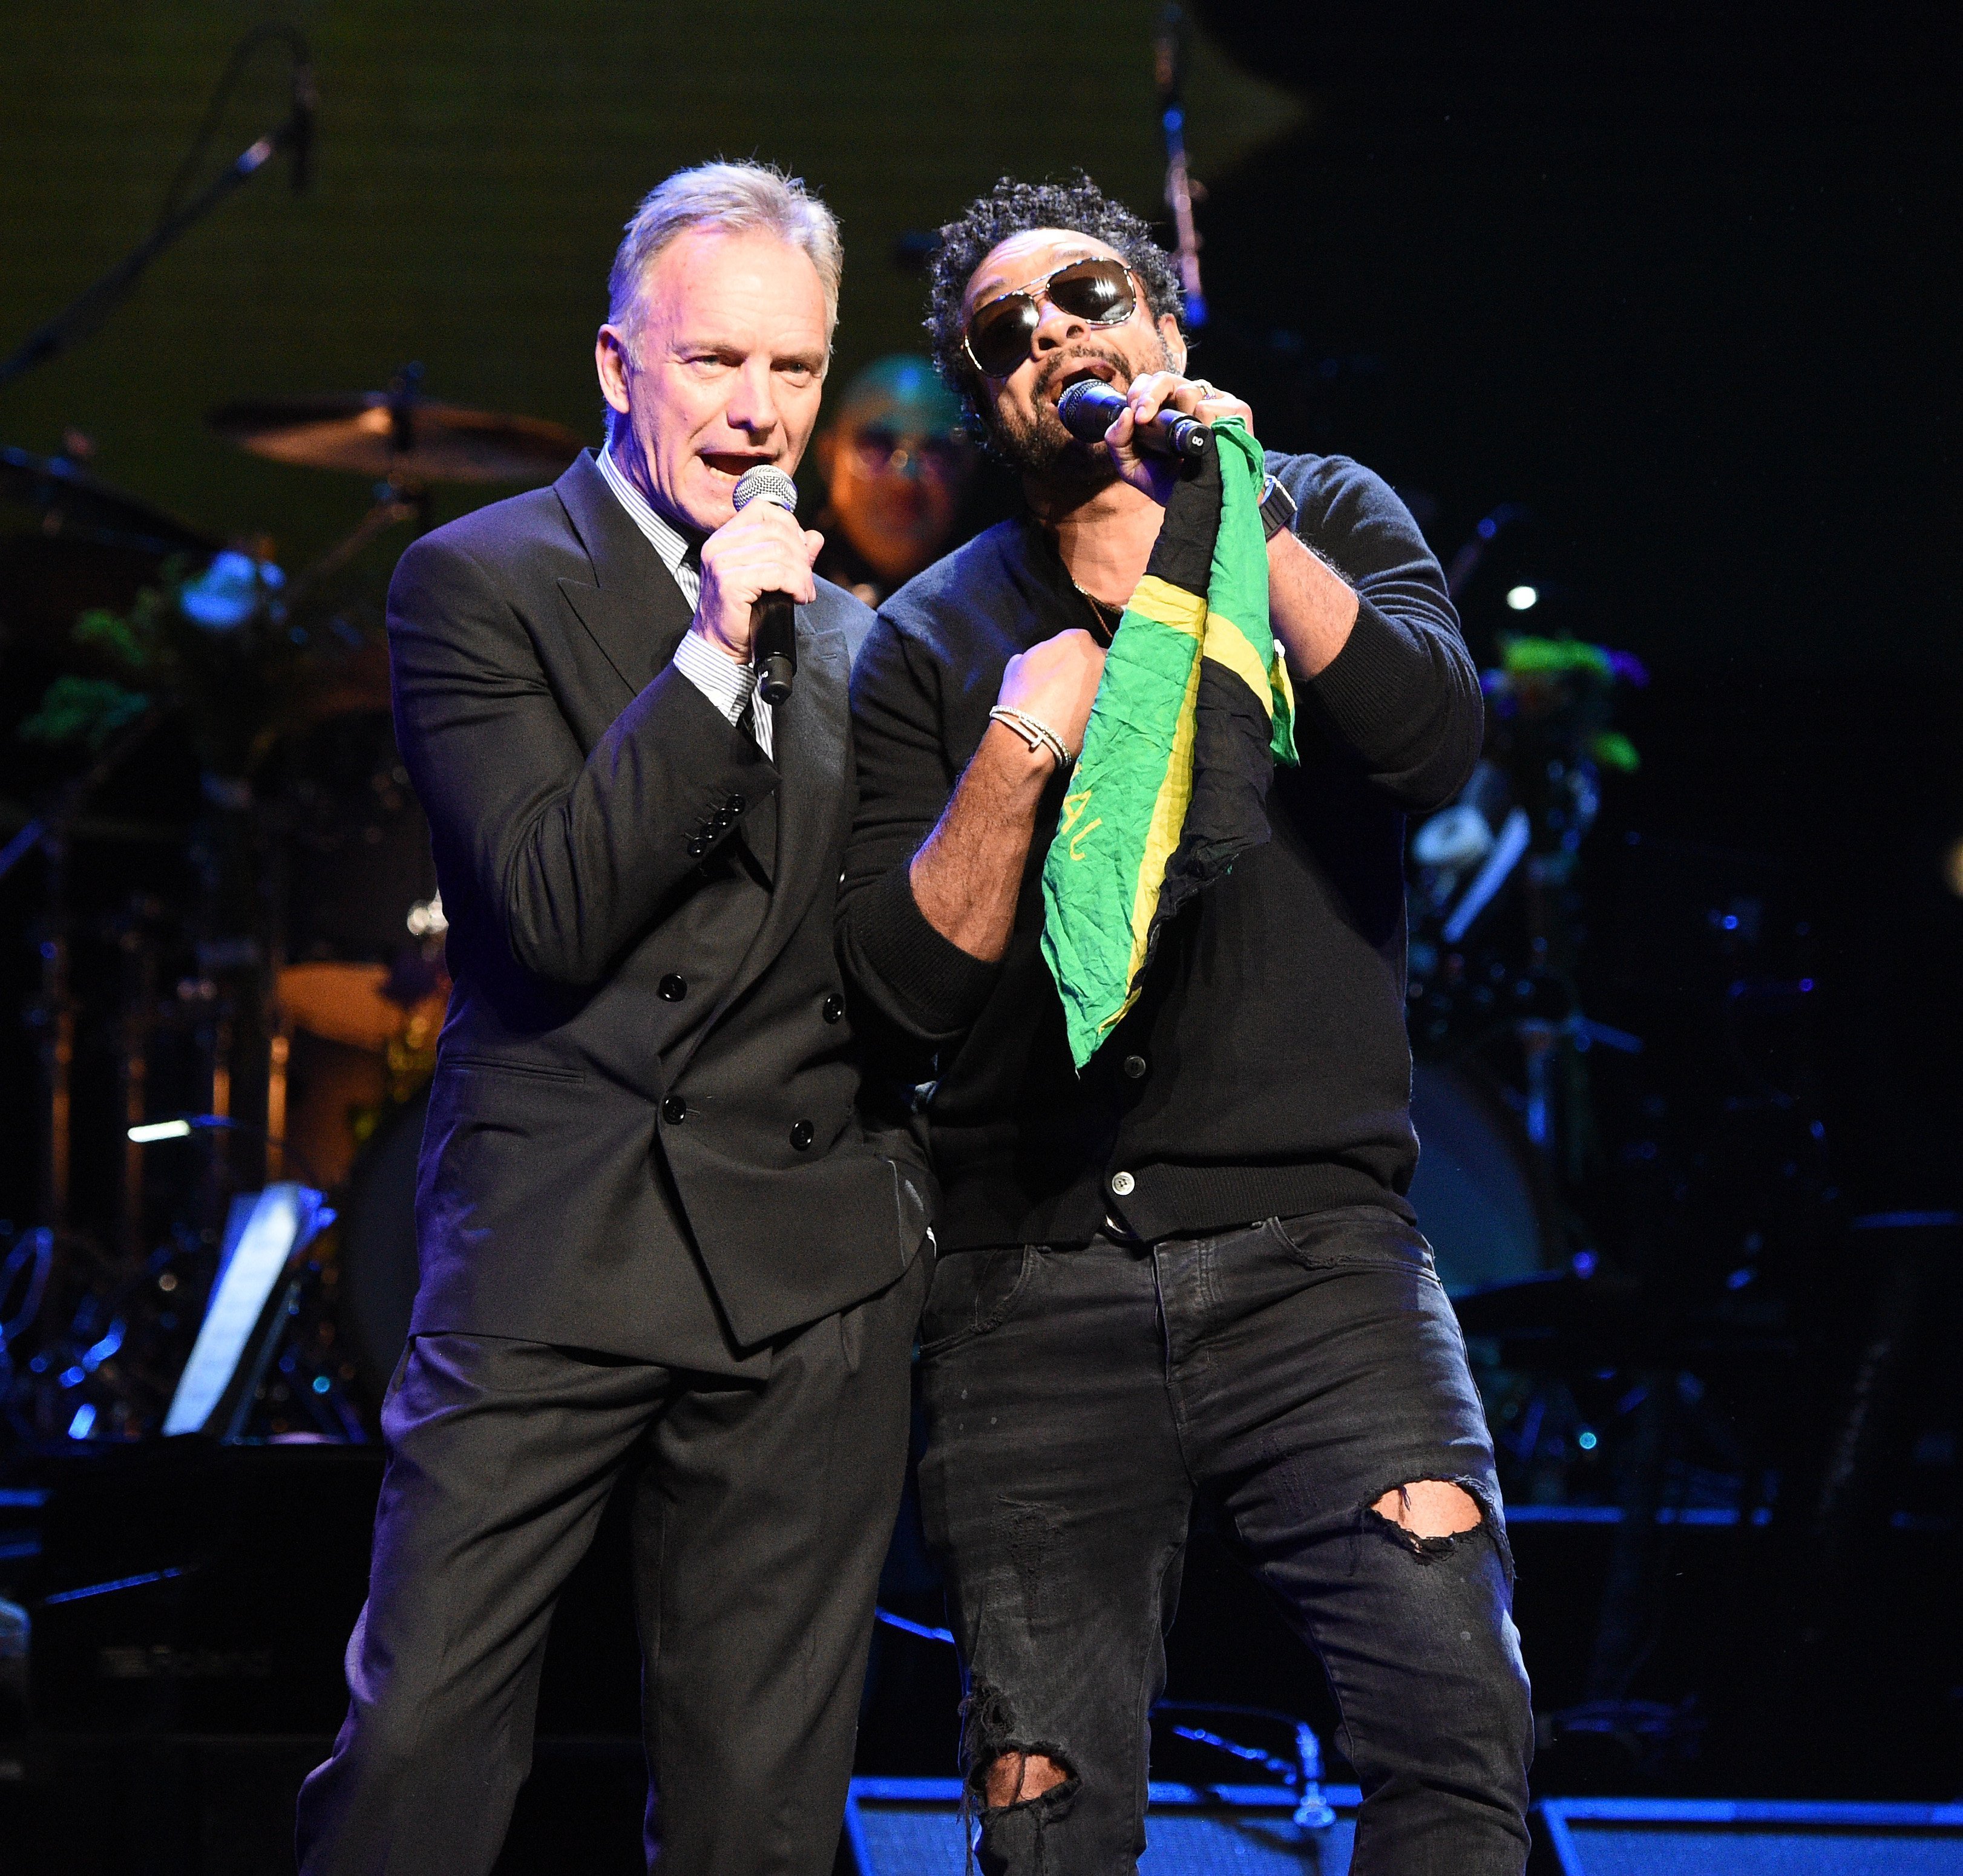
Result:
<point x="761" y="550"/>
<point x="1156" y="391"/>
<point x="1056" y="682"/>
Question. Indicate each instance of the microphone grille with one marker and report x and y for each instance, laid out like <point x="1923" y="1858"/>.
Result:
<point x="1087" y="408"/>
<point x="764" y="483"/>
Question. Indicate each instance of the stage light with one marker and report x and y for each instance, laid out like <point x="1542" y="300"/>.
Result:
<point x="178" y="1129"/>
<point x="1522" y="598"/>
<point x="84" y="1423"/>
<point x="1587" y="1441"/>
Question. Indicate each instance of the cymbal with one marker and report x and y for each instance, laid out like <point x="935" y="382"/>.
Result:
<point x="399" y="439"/>
<point x="75" y="504"/>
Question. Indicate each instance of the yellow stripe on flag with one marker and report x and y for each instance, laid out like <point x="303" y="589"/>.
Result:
<point x="1226" y="644"/>
<point x="1165" y="604"/>
<point x="1282" y="685"/>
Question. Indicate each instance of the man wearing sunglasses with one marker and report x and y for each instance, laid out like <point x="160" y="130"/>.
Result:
<point x="1190" y="1273"/>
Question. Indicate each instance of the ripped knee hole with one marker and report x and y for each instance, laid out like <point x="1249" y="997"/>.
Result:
<point x="1431" y="1512"/>
<point x="1017" y="1777"/>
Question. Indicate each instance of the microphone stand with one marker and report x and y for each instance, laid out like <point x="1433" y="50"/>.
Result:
<point x="88" y="311"/>
<point x="1168" y="50"/>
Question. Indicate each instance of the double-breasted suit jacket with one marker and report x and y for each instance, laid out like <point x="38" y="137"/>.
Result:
<point x="645" y="1135"/>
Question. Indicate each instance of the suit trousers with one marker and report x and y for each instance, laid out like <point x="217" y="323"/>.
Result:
<point x="761" y="1512"/>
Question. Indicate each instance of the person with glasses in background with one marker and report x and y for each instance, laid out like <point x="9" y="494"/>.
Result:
<point x="1189" y="1272"/>
<point x="896" y="464"/>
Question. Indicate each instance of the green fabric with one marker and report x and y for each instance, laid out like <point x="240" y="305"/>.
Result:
<point x="1192" y="710"/>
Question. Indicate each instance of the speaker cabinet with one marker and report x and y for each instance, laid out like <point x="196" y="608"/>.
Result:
<point x="912" y="1827"/>
<point x="1630" y="1836"/>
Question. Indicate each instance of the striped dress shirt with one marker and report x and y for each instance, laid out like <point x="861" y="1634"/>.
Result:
<point x="729" y="686"/>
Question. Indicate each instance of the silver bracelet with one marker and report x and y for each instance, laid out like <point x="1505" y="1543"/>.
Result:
<point x="1036" y="734"/>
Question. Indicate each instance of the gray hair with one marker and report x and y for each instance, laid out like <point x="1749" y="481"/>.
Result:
<point x="730" y="199"/>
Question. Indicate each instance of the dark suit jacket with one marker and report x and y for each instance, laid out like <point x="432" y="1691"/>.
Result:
<point x="647" y="1091"/>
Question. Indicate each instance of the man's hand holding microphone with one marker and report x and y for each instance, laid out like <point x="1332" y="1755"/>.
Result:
<point x="755" y="568"/>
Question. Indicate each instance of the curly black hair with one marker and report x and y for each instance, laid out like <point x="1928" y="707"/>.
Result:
<point x="1076" y="203"/>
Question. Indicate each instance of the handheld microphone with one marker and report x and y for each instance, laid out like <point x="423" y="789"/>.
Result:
<point x="1090" y="408"/>
<point x="307" y="106"/>
<point x="773" y="618"/>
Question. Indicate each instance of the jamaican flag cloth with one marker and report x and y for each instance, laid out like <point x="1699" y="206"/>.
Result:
<point x="1193" y="709"/>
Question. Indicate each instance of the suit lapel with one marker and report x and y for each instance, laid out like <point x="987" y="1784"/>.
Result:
<point x="811" y="752"/>
<point x="636" y="614"/>
<point x="634" y="611"/>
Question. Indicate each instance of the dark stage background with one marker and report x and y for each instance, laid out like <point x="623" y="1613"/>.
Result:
<point x="1677" y="281"/>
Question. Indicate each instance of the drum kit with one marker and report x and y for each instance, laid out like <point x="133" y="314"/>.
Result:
<point x="237" y="940"/>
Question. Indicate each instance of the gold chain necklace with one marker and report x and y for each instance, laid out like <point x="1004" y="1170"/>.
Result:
<point x="1108" y="617"/>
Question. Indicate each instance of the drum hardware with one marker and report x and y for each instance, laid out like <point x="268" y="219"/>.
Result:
<point x="188" y="1126"/>
<point x="53" y="1014"/>
<point x="73" y="505"/>
<point x="399" y="438"/>
<point x="402" y="443"/>
<point x="1505" y="850"/>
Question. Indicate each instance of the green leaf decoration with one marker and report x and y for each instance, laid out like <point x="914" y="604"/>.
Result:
<point x="82" y="710"/>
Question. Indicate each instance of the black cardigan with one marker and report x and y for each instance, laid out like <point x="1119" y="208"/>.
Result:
<point x="1265" y="1070"/>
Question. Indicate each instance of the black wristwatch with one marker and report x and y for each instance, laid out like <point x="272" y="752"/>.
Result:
<point x="1278" y="508"/>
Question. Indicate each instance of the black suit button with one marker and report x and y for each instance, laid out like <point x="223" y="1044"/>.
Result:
<point x="697" y="847"/>
<point x="1135" y="1067"/>
<point x="802" y="1134"/>
<point x="834" y="1008"/>
<point x="672" y="989"/>
<point x="735" y="804"/>
<point x="675" y="1110"/>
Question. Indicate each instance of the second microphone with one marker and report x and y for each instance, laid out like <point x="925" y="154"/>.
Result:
<point x="1089" y="408"/>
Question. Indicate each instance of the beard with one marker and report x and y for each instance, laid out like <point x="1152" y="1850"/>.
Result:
<point x="1039" y="446"/>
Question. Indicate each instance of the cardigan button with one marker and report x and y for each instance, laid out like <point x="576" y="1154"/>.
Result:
<point x="675" y="1110"/>
<point x="671" y="988"/>
<point x="802" y="1134"/>
<point x="1123" y="1184"/>
<point x="834" y="1008"/>
<point x="1135" y="1067"/>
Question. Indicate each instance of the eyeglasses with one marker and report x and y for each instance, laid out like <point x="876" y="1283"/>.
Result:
<point x="1100" y="292"/>
<point x="877" y="450"/>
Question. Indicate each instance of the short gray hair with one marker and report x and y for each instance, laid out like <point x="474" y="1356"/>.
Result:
<point x="730" y="199"/>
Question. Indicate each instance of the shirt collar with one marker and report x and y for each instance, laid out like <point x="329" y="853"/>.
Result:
<point x="667" y="540"/>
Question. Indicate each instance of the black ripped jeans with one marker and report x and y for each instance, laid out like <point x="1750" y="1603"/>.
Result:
<point x="1292" y="1372"/>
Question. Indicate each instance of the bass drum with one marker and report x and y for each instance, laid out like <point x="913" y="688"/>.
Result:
<point x="1481" y="1193"/>
<point x="377" y="1287"/>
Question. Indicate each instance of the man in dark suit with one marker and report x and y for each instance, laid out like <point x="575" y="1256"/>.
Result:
<point x="659" y="1230"/>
